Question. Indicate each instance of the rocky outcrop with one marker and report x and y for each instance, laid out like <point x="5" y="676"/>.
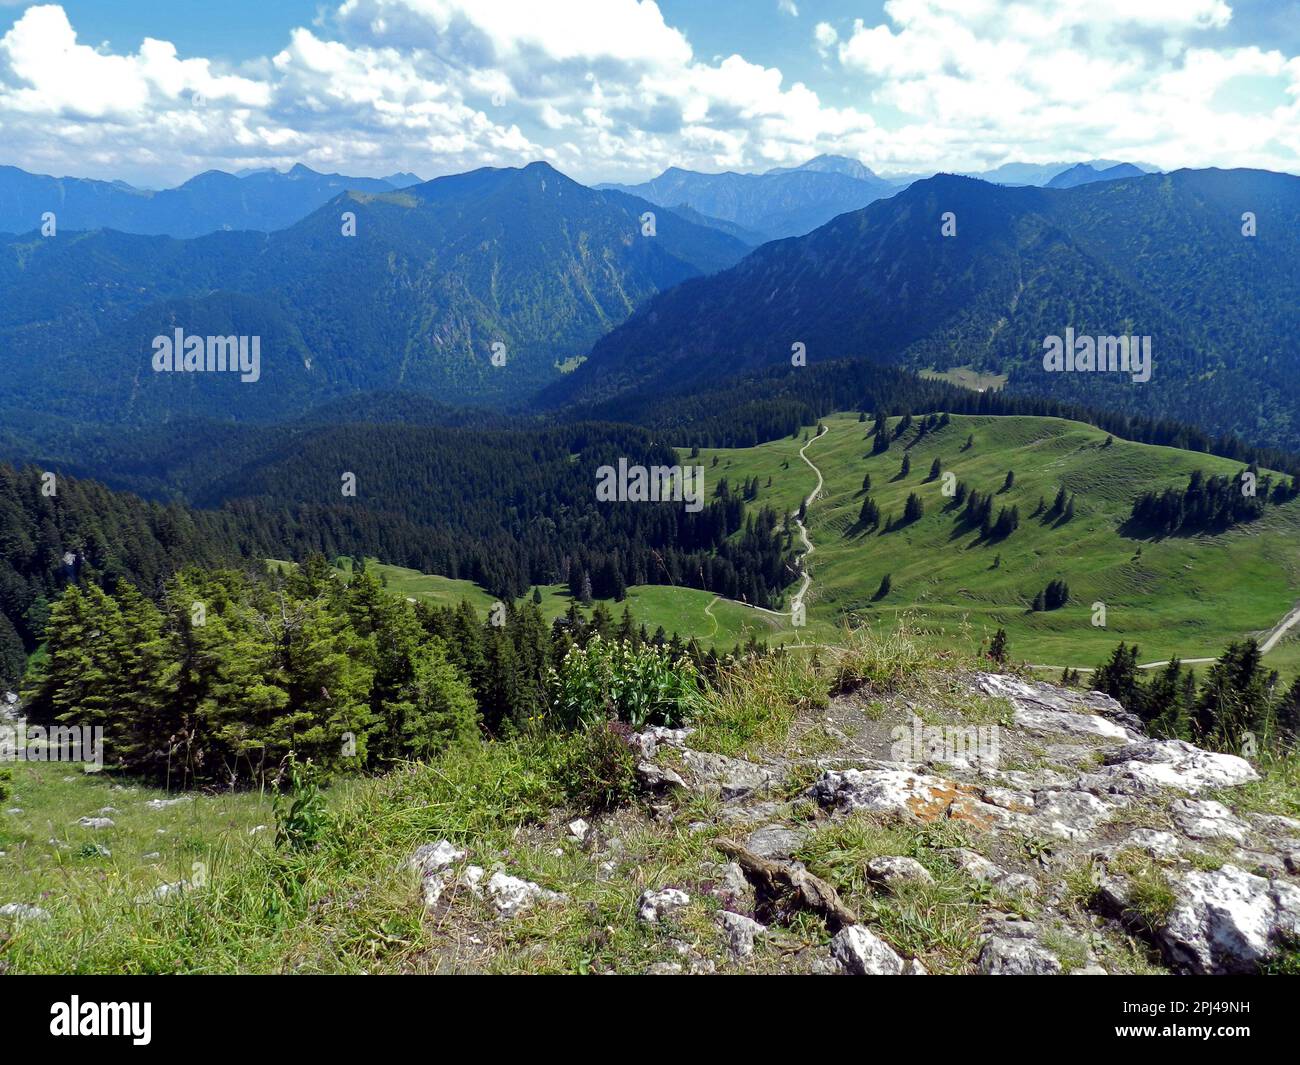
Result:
<point x="1151" y="766"/>
<point x="1078" y="793"/>
<point x="1223" y="921"/>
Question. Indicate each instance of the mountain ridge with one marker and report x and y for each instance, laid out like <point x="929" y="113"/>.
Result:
<point x="883" y="284"/>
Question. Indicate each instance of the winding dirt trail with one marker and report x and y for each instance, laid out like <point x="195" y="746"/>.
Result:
<point x="797" y="601"/>
<point x="796" y="604"/>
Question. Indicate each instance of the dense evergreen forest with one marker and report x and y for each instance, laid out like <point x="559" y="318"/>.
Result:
<point x="508" y="510"/>
<point x="509" y="504"/>
<point x="227" y="675"/>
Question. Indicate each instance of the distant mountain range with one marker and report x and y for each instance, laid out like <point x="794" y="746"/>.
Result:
<point x="785" y="202"/>
<point x="754" y="208"/>
<point x="552" y="271"/>
<point x="1044" y="173"/>
<point x="435" y="276"/>
<point x="1085" y="174"/>
<point x="790" y="201"/>
<point x="253" y="199"/>
<point x="1158" y="255"/>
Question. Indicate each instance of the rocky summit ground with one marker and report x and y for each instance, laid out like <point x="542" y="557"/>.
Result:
<point x="1036" y="830"/>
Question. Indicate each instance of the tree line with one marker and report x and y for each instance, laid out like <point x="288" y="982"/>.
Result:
<point x="1210" y="504"/>
<point x="1237" y="703"/>
<point x="226" y="675"/>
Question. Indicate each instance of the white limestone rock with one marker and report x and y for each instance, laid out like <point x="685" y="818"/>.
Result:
<point x="862" y="953"/>
<point x="731" y="778"/>
<point x="1229" y="921"/>
<point x="740" y="931"/>
<point x="654" y="906"/>
<point x="1016" y="956"/>
<point x="1206" y="819"/>
<point x="1069" y="815"/>
<point x="512" y="896"/>
<point x="23" y="911"/>
<point x="163" y="804"/>
<point x="1146" y="767"/>
<point x="892" y="872"/>
<point x="1046" y="708"/>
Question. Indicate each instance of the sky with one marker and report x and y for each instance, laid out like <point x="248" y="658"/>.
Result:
<point x="154" y="91"/>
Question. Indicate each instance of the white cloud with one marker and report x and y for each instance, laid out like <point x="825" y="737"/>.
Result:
<point x="981" y="81"/>
<point x="788" y="7"/>
<point x="607" y="89"/>
<point x="826" y="37"/>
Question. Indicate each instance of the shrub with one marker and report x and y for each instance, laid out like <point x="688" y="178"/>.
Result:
<point x="612" y="680"/>
<point x="301" y="818"/>
<point x="597" y="767"/>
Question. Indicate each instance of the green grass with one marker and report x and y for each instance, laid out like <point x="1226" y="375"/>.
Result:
<point x="689" y="612"/>
<point x="98" y="884"/>
<point x="350" y="905"/>
<point x="967" y="377"/>
<point x="1185" y="596"/>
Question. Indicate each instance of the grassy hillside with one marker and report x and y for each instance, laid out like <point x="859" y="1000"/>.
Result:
<point x="1186" y="595"/>
<point x="689" y="612"/>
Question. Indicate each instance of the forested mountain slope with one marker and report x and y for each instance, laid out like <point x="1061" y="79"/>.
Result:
<point x="1163" y="255"/>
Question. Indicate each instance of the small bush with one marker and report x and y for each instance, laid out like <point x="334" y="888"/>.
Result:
<point x="597" y="767"/>
<point x="301" y="817"/>
<point x="613" y="681"/>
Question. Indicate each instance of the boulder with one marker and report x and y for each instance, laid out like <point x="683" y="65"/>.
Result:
<point x="1146" y="767"/>
<point x="776" y="841"/>
<point x="733" y="887"/>
<point x="862" y="953"/>
<point x="1046" y="708"/>
<point x="740" y="932"/>
<point x="656" y="778"/>
<point x="1229" y="921"/>
<point x="731" y="778"/>
<point x="1016" y="956"/>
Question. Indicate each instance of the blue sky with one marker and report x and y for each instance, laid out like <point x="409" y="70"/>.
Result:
<point x="153" y="91"/>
